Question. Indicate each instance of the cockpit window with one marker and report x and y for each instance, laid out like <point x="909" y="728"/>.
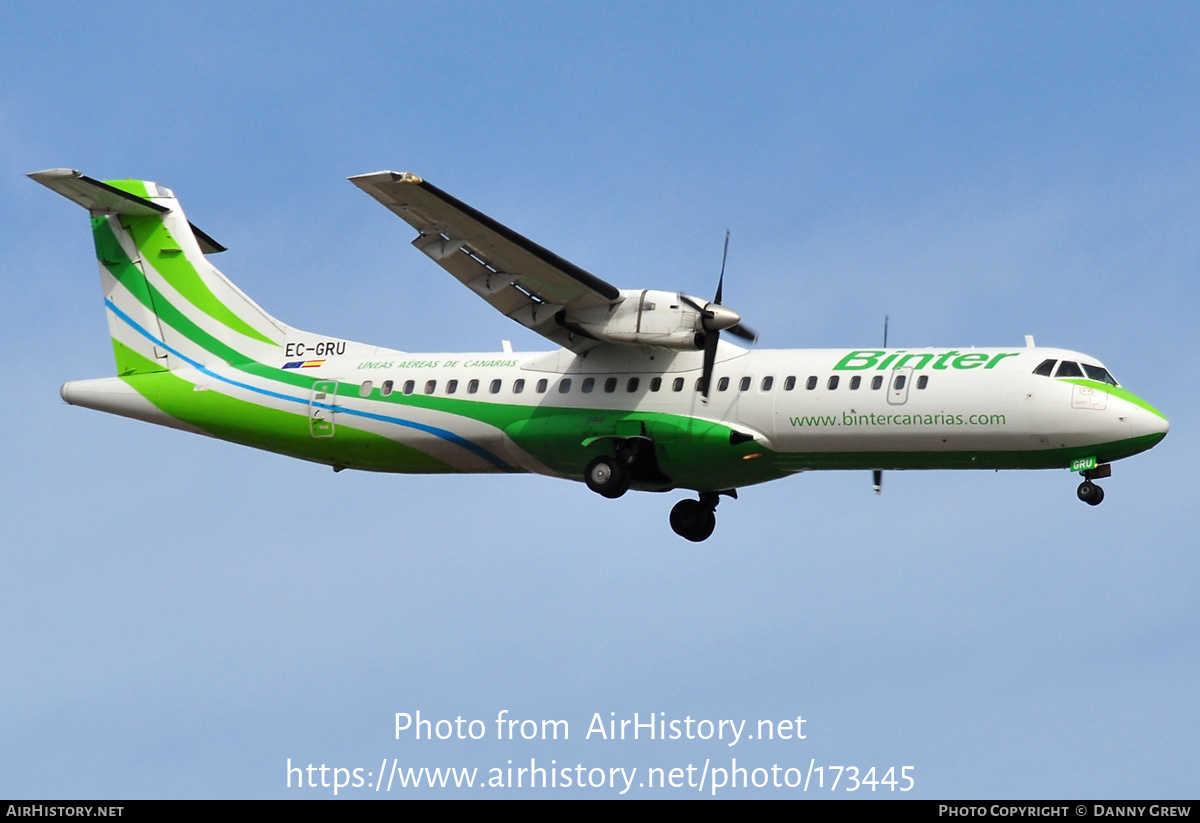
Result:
<point x="1068" y="368"/>
<point x="1099" y="374"/>
<point x="1046" y="368"/>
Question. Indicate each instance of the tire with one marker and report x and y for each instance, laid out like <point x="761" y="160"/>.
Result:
<point x="1090" y="493"/>
<point x="692" y="520"/>
<point x="606" y="477"/>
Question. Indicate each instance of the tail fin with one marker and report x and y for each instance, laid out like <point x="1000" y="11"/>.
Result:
<point x="168" y="307"/>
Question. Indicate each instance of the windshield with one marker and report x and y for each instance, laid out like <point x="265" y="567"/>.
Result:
<point x="1100" y="374"/>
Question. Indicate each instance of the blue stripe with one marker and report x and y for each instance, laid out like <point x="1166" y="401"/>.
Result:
<point x="444" y="434"/>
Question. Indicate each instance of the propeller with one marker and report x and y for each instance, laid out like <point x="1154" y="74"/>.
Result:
<point x="715" y="318"/>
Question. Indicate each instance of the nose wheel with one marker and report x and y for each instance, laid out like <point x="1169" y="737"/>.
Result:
<point x="1090" y="493"/>
<point x="695" y="520"/>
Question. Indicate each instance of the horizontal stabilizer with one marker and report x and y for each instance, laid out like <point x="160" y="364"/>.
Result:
<point x="96" y="195"/>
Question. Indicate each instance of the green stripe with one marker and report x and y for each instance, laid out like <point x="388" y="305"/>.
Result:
<point x="250" y="424"/>
<point x="118" y="264"/>
<point x="113" y="257"/>
<point x="134" y="187"/>
<point x="162" y="251"/>
<point x="1115" y="391"/>
<point x="1025" y="459"/>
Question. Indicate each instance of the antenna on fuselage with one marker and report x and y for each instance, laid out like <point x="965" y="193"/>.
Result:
<point x="877" y="474"/>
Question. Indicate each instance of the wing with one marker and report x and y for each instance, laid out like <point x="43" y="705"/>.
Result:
<point x="525" y="281"/>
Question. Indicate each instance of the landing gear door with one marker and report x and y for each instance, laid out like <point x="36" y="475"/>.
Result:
<point x="322" y="407"/>
<point x="898" y="386"/>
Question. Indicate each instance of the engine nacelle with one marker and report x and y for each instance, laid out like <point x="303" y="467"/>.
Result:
<point x="642" y="317"/>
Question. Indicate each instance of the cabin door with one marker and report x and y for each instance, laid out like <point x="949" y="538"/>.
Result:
<point x="898" y="386"/>
<point x="322" y="407"/>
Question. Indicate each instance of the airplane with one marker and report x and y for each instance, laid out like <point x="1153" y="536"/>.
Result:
<point x="645" y="390"/>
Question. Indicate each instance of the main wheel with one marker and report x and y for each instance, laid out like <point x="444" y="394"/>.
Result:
<point x="1090" y="493"/>
<point x="606" y="477"/>
<point x="692" y="520"/>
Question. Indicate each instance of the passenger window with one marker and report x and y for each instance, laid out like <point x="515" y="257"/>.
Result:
<point x="1068" y="368"/>
<point x="430" y="386"/>
<point x="789" y="384"/>
<point x="655" y="383"/>
<point x="386" y="388"/>
<point x="723" y="384"/>
<point x="409" y="387"/>
<point x="610" y="385"/>
<point x="833" y="382"/>
<point x="677" y="385"/>
<point x="495" y="387"/>
<point x="633" y="384"/>
<point x="589" y="383"/>
<point x="922" y="381"/>
<point x="365" y="389"/>
<point x="473" y="387"/>
<point x="564" y="385"/>
<point x="518" y="386"/>
<point x="451" y="387"/>
<point x="541" y="386"/>
<point x="855" y="382"/>
<point x="767" y="383"/>
<point x="812" y="383"/>
<point x="877" y="382"/>
<point x="900" y="381"/>
<point x="1046" y="368"/>
<point x="744" y="385"/>
<point x="699" y="380"/>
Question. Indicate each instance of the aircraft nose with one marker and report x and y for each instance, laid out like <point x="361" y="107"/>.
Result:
<point x="1150" y="422"/>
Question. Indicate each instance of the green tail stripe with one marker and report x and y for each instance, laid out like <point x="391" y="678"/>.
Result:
<point x="114" y="258"/>
<point x="161" y="250"/>
<point x="134" y="187"/>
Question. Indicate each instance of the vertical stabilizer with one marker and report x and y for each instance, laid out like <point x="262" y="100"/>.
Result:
<point x="168" y="307"/>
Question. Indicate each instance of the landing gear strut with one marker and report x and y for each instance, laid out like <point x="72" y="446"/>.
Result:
<point x="695" y="519"/>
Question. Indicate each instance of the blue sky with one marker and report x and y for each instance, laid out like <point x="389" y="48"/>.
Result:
<point x="181" y="616"/>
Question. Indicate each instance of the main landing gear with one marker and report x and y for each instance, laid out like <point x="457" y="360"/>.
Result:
<point x="634" y="461"/>
<point x="607" y="477"/>
<point x="1088" y="491"/>
<point x="695" y="519"/>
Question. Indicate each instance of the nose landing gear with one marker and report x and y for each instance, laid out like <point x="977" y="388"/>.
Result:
<point x="1088" y="491"/>
<point x="695" y="519"/>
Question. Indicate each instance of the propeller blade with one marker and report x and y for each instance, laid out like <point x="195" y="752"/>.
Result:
<point x="710" y="357"/>
<point x="704" y="312"/>
<point x="721" y="279"/>
<point x="743" y="332"/>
